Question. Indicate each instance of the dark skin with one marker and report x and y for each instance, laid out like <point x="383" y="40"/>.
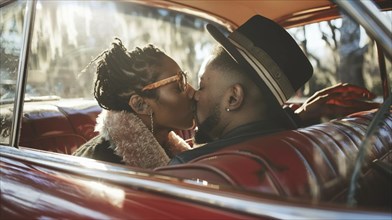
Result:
<point x="172" y="110"/>
<point x="218" y="93"/>
<point x="231" y="94"/>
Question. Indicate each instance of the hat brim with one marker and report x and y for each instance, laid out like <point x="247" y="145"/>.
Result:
<point x="236" y="55"/>
<point x="225" y="43"/>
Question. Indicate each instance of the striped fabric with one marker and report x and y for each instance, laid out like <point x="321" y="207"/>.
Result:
<point x="264" y="66"/>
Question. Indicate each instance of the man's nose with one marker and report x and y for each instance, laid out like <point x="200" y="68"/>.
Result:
<point x="196" y="96"/>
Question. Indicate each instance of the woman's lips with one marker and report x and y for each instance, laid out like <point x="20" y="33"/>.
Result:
<point x="196" y="118"/>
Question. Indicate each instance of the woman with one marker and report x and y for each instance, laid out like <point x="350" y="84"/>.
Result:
<point x="145" y="96"/>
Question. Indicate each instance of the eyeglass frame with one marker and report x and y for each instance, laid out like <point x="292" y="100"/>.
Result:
<point x="180" y="76"/>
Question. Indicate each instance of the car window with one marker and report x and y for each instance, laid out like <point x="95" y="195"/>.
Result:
<point x="69" y="34"/>
<point x="11" y="29"/>
<point x="350" y="59"/>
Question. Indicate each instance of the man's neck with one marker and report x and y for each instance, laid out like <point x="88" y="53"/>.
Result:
<point x="239" y="119"/>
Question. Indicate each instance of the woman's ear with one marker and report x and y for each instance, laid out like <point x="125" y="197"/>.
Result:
<point x="139" y="105"/>
<point x="235" y="97"/>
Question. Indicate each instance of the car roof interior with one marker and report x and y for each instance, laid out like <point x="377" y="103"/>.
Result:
<point x="286" y="12"/>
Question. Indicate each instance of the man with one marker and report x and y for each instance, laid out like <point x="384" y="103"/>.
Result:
<point x="256" y="69"/>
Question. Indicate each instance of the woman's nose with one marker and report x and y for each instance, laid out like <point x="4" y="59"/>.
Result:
<point x="190" y="92"/>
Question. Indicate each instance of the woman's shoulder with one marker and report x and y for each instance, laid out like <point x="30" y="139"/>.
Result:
<point x="88" y="148"/>
<point x="98" y="148"/>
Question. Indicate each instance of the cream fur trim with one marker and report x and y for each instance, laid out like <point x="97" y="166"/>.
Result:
<point x="177" y="144"/>
<point x="131" y="139"/>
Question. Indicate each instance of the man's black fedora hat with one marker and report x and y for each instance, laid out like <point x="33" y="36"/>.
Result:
<point x="269" y="54"/>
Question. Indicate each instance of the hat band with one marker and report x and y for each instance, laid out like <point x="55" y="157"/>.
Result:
<point x="265" y="67"/>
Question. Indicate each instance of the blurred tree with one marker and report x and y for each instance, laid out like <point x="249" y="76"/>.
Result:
<point x="350" y="53"/>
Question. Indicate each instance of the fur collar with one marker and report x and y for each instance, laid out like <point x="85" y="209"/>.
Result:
<point x="133" y="141"/>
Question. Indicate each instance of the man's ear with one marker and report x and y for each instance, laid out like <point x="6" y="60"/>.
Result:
<point x="235" y="97"/>
<point x="139" y="105"/>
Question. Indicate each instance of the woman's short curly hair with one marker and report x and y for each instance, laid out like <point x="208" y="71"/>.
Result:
<point x="121" y="73"/>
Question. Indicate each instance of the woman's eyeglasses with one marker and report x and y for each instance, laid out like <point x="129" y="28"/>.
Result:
<point x="180" y="77"/>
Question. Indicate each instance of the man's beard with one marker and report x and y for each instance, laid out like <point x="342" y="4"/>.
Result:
<point x="202" y="135"/>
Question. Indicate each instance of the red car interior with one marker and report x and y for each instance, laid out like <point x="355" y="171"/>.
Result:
<point x="312" y="162"/>
<point x="58" y="128"/>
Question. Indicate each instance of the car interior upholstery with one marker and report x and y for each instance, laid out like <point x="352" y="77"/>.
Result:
<point x="312" y="162"/>
<point x="58" y="128"/>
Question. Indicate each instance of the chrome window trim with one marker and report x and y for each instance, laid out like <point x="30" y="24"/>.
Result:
<point x="27" y="33"/>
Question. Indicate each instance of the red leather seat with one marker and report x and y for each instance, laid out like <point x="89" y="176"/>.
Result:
<point x="62" y="126"/>
<point x="83" y="119"/>
<point x="58" y="128"/>
<point x="313" y="162"/>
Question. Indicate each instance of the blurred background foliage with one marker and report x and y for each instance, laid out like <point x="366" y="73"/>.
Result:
<point x="69" y="34"/>
<point x="340" y="51"/>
